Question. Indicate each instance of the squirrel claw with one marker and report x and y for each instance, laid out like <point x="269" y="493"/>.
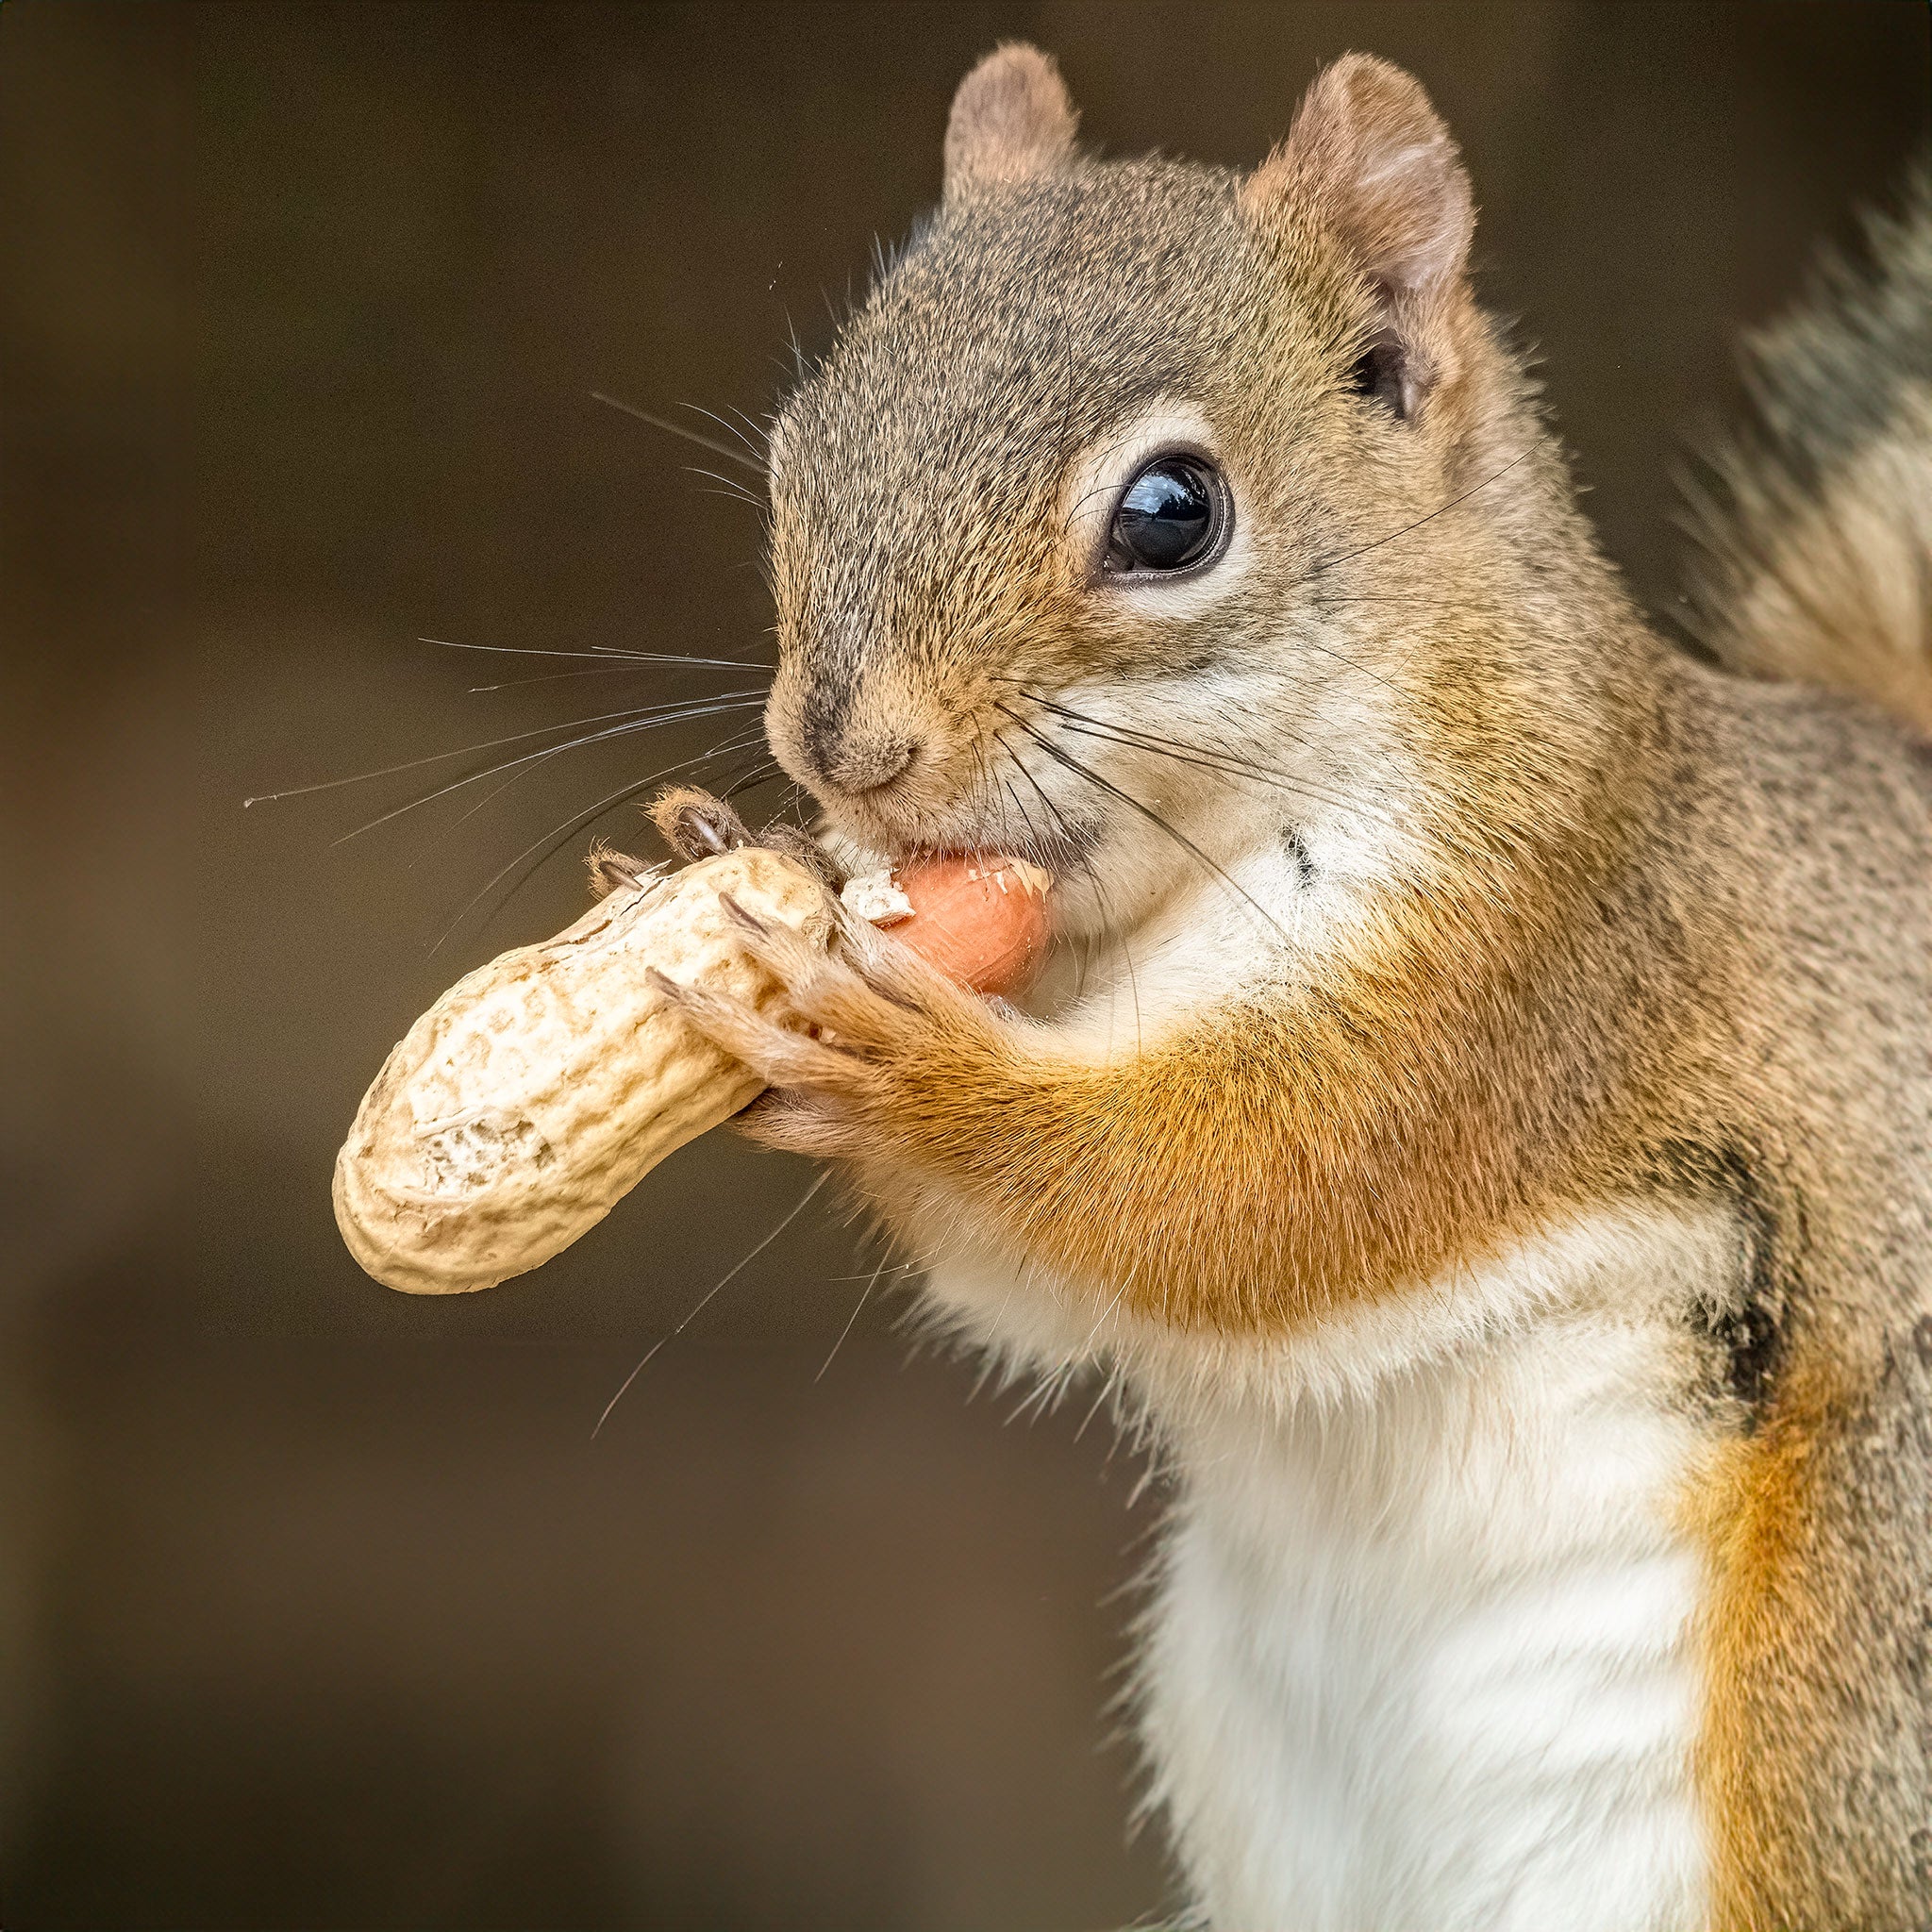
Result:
<point x="738" y="916"/>
<point x="780" y="1056"/>
<point x="695" y="824"/>
<point x="805" y="850"/>
<point x="611" y="869"/>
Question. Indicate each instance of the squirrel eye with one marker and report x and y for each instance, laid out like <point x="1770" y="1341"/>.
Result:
<point x="1173" y="515"/>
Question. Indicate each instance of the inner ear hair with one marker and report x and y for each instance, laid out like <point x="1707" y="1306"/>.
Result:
<point x="1369" y="160"/>
<point x="1382" y="373"/>
<point x="1012" y="121"/>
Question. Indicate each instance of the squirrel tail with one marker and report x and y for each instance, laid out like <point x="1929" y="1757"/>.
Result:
<point x="1815" y="545"/>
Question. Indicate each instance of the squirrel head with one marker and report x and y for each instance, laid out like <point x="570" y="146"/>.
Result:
<point x="1111" y="453"/>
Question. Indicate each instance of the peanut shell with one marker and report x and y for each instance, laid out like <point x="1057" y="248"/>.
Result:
<point x="541" y="1088"/>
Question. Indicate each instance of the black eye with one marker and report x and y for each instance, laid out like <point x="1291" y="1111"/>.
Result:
<point x="1173" y="514"/>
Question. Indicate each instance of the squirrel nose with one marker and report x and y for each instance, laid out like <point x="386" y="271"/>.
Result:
<point x="858" y="758"/>
<point x="855" y="732"/>
<point x="870" y="764"/>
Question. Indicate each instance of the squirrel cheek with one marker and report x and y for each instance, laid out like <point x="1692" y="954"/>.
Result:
<point x="981" y="921"/>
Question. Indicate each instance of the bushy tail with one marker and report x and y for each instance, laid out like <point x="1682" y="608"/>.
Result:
<point x="1816" y="545"/>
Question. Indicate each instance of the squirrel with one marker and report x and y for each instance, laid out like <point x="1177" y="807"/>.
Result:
<point x="1478" y="1111"/>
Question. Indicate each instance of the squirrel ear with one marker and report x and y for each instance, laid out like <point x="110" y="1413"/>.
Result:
<point x="1011" y="121"/>
<point x="1371" y="158"/>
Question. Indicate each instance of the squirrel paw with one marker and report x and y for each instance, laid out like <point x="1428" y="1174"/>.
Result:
<point x="855" y="1029"/>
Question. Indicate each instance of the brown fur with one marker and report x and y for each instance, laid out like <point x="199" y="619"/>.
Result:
<point x="1671" y="936"/>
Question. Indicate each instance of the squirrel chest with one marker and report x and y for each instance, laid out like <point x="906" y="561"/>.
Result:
<point x="1424" y="1642"/>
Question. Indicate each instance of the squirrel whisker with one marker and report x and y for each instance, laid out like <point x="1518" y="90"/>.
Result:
<point x="757" y="450"/>
<point x="741" y="741"/>
<point x="1083" y="859"/>
<point x="532" y="857"/>
<point x="1228" y="763"/>
<point x="1147" y="812"/>
<point x="602" y="651"/>
<point x="671" y="428"/>
<point x="553" y="676"/>
<point x="651" y="718"/>
<point x="760" y="773"/>
<point x="704" y="1299"/>
<point x="1349" y="556"/>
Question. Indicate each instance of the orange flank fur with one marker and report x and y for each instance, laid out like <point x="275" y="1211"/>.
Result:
<point x="1782" y="1611"/>
<point x="1749" y="1518"/>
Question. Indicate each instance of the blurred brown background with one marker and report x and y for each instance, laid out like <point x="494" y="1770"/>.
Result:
<point x="318" y="1605"/>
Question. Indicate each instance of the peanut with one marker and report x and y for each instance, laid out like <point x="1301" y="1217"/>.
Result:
<point x="541" y="1088"/>
<point x="980" y="919"/>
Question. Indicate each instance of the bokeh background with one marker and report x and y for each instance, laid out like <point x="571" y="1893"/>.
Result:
<point x="318" y="1605"/>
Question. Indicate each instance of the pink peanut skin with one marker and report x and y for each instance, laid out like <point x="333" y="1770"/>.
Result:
<point x="981" y="920"/>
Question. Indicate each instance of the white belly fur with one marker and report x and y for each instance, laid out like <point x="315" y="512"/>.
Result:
<point x="1420" y="1651"/>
